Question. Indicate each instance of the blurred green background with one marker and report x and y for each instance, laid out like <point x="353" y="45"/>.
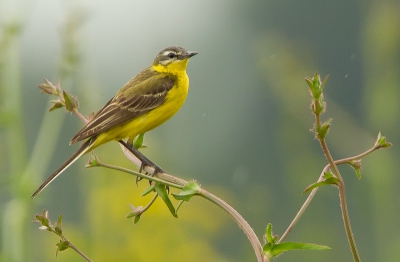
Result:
<point x="243" y="132"/>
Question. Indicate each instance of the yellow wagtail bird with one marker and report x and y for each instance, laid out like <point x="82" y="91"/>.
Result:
<point x="145" y="102"/>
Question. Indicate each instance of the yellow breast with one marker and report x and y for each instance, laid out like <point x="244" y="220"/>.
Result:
<point x="173" y="102"/>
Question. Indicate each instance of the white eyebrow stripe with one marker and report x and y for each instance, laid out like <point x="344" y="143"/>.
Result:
<point x="166" y="53"/>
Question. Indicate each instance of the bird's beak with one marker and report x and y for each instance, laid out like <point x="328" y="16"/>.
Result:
<point x="189" y="54"/>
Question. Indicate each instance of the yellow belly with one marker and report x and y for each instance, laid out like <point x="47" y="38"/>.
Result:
<point x="173" y="102"/>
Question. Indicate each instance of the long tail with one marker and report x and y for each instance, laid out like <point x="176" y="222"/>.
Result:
<point x="81" y="151"/>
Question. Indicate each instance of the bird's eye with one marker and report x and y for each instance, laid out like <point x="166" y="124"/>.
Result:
<point x="171" y="55"/>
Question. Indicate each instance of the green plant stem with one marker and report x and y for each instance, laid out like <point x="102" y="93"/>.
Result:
<point x="240" y="221"/>
<point x="165" y="179"/>
<point x="148" y="177"/>
<point x="249" y="232"/>
<point x="150" y="203"/>
<point x="314" y="191"/>
<point x="150" y="170"/>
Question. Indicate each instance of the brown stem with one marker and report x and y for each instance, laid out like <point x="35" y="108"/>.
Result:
<point x="314" y="191"/>
<point x="240" y="221"/>
<point x="343" y="203"/>
<point x="77" y="250"/>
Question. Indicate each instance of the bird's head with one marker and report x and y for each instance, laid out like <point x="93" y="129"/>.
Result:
<point x="172" y="59"/>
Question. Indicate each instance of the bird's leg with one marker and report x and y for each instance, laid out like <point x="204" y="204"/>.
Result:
<point x="130" y="145"/>
<point x="145" y="161"/>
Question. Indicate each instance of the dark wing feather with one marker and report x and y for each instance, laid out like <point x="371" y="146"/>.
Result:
<point x="135" y="99"/>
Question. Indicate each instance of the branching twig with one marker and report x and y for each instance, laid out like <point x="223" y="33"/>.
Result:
<point x="165" y="178"/>
<point x="320" y="129"/>
<point x="57" y="229"/>
<point x="156" y="178"/>
<point x="71" y="104"/>
<point x="314" y="191"/>
<point x="273" y="246"/>
<point x="255" y="242"/>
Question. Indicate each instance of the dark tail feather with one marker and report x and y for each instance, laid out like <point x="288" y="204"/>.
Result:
<point x="81" y="151"/>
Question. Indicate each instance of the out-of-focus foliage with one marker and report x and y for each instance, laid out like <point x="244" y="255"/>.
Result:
<point x="243" y="132"/>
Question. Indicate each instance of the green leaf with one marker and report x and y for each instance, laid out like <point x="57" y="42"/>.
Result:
<point x="179" y="205"/>
<point x="136" y="211"/>
<point x="324" y="82"/>
<point x="309" y="82"/>
<point x="358" y="172"/>
<point x="130" y="215"/>
<point x="328" y="175"/>
<point x="162" y="192"/>
<point x="62" y="245"/>
<point x="148" y="190"/>
<point x="47" y="88"/>
<point x="271" y="249"/>
<point x="58" y="228"/>
<point x="314" y="84"/>
<point x="139" y="141"/>
<point x="381" y="142"/>
<point x="132" y="207"/>
<point x="136" y="219"/>
<point x="267" y="248"/>
<point x="58" y="231"/>
<point x="59" y="220"/>
<point x="39" y="218"/>
<point x="268" y="234"/>
<point x="275" y="250"/>
<point x="329" y="181"/>
<point x="322" y="129"/>
<point x="318" y="106"/>
<point x="321" y="105"/>
<point x="44" y="220"/>
<point x="356" y="165"/>
<point x="56" y="104"/>
<point x="93" y="162"/>
<point x="70" y="101"/>
<point x="188" y="191"/>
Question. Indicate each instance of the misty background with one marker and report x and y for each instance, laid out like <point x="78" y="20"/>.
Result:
<point x="243" y="132"/>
